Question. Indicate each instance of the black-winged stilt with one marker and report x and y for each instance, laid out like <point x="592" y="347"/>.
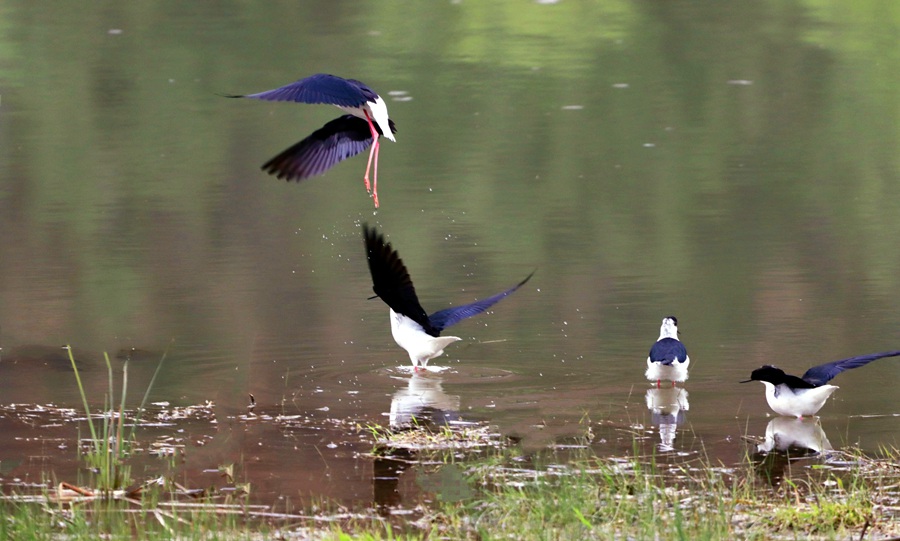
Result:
<point x="337" y="140"/>
<point x="796" y="397"/>
<point x="413" y="330"/>
<point x="668" y="358"/>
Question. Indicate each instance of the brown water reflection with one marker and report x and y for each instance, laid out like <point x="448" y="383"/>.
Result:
<point x="293" y="456"/>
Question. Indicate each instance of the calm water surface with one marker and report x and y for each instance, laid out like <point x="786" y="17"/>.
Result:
<point x="733" y="164"/>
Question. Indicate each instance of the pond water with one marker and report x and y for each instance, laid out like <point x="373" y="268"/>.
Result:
<point x="733" y="164"/>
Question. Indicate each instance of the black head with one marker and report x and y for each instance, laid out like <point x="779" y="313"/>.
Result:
<point x="773" y="375"/>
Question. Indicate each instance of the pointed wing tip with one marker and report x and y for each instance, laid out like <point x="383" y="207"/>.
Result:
<point x="523" y="282"/>
<point x="450" y="316"/>
<point x="371" y="234"/>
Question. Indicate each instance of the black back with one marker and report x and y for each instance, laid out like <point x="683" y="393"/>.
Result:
<point x="667" y="351"/>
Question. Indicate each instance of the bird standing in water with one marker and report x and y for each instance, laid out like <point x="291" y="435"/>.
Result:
<point x="413" y="330"/>
<point x="796" y="397"/>
<point x="342" y="138"/>
<point x="668" y="357"/>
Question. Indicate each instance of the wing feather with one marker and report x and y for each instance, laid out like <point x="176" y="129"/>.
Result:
<point x="449" y="316"/>
<point x="822" y="374"/>
<point x="391" y="281"/>
<point x="319" y="88"/>
<point x="342" y="138"/>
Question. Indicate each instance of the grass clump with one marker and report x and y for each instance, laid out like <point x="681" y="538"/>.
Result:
<point x="591" y="499"/>
<point x="615" y="498"/>
<point x="109" y="445"/>
<point x="825" y="510"/>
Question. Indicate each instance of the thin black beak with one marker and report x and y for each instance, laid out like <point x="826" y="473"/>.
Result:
<point x="746" y="381"/>
<point x="372" y="297"/>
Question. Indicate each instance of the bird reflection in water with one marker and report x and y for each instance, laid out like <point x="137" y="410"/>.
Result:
<point x="421" y="405"/>
<point x="788" y="439"/>
<point x="787" y="434"/>
<point x="668" y="406"/>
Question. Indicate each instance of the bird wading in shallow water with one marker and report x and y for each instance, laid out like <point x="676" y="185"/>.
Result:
<point x="796" y="397"/>
<point x="342" y="138"/>
<point x="668" y="359"/>
<point x="413" y="330"/>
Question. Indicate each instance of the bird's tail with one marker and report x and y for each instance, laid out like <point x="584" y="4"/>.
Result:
<point x="438" y="343"/>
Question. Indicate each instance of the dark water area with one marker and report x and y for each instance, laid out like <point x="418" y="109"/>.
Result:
<point x="734" y="164"/>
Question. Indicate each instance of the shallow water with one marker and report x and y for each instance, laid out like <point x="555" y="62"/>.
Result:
<point x="734" y="165"/>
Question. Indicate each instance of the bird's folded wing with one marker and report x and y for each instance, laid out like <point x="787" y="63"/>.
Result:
<point x="667" y="351"/>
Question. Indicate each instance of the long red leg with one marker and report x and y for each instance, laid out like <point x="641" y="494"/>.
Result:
<point x="368" y="165"/>
<point x="375" y="178"/>
<point x="373" y="152"/>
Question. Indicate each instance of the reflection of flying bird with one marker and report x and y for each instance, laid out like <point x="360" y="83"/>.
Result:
<point x="342" y="138"/>
<point x="668" y="357"/>
<point x="414" y="330"/>
<point x="793" y="396"/>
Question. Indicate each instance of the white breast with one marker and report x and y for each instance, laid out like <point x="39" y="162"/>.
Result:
<point x="420" y="345"/>
<point x="797" y="403"/>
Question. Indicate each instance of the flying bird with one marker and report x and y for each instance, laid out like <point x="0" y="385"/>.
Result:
<point x="414" y="330"/>
<point x="342" y="138"/>
<point x="796" y="397"/>
<point x="668" y="358"/>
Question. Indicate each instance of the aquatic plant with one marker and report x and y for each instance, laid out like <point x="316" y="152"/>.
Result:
<point x="109" y="447"/>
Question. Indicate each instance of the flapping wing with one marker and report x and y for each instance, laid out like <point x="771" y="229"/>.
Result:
<point x="319" y="88"/>
<point x="342" y="138"/>
<point x="442" y="319"/>
<point x="391" y="281"/>
<point x="667" y="351"/>
<point x="822" y="374"/>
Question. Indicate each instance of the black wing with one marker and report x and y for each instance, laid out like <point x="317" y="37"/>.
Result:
<point x="320" y="88"/>
<point x="822" y="374"/>
<point x="391" y="281"/>
<point x="667" y="351"/>
<point x="342" y="138"/>
<point x="442" y="319"/>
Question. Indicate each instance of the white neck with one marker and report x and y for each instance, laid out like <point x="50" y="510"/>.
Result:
<point x="668" y="330"/>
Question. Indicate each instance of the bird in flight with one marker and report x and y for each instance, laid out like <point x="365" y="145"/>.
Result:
<point x="796" y="397"/>
<point x="414" y="330"/>
<point x="668" y="358"/>
<point x="346" y="136"/>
